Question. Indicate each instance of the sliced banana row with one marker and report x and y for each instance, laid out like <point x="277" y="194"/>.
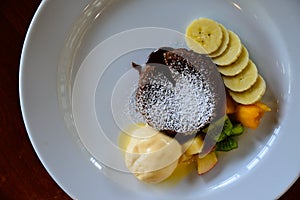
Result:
<point x="240" y="74"/>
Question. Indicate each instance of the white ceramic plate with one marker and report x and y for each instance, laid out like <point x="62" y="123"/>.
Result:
<point x="65" y="37"/>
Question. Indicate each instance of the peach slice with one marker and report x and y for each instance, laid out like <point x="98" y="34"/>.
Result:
<point x="206" y="163"/>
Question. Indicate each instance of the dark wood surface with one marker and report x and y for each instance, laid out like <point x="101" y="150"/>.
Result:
<point x="22" y="176"/>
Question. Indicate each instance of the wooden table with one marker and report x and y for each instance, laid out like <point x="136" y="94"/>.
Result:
<point x="22" y="175"/>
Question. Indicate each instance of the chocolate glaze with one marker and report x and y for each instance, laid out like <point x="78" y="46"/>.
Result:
<point x="157" y="61"/>
<point x="157" y="56"/>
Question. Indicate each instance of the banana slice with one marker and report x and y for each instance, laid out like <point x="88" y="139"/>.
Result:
<point x="232" y="52"/>
<point x="251" y="95"/>
<point x="244" y="80"/>
<point x="205" y="32"/>
<point x="236" y="67"/>
<point x="224" y="43"/>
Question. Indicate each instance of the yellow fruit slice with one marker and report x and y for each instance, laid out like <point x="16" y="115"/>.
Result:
<point x="205" y="32"/>
<point x="251" y="95"/>
<point x="232" y="52"/>
<point x="206" y="163"/>
<point x="250" y="115"/>
<point x="193" y="146"/>
<point x="244" y="80"/>
<point x="236" y="67"/>
<point x="223" y="45"/>
<point x="186" y="158"/>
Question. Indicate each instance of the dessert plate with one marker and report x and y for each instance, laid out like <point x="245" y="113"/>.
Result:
<point x="66" y="84"/>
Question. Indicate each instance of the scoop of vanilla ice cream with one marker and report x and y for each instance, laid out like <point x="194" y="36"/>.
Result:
<point x="152" y="157"/>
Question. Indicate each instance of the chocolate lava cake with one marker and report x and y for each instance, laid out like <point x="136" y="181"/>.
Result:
<point x="179" y="91"/>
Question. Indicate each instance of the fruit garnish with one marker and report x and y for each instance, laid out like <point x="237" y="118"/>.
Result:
<point x="244" y="80"/>
<point x="232" y="52"/>
<point x="206" y="32"/>
<point x="206" y="163"/>
<point x="230" y="105"/>
<point x="227" y="145"/>
<point x="250" y="115"/>
<point x="236" y="67"/>
<point x="224" y="44"/>
<point x="193" y="146"/>
<point x="252" y="95"/>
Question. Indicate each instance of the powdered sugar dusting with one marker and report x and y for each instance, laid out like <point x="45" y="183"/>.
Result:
<point x="185" y="107"/>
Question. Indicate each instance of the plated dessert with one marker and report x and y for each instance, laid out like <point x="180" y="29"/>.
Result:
<point x="195" y="102"/>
